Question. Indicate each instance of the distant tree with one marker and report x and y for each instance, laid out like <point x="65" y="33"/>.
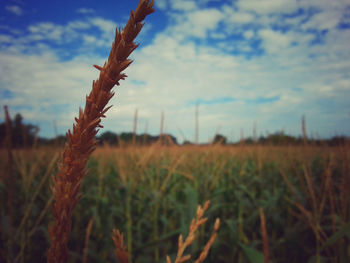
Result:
<point x="167" y="139"/>
<point x="338" y="140"/>
<point x="219" y="139"/>
<point x="262" y="140"/>
<point x="108" y="138"/>
<point x="249" y="141"/>
<point x="18" y="130"/>
<point x="279" y="138"/>
<point x="145" y="139"/>
<point x="59" y="140"/>
<point x="126" y="137"/>
<point x="186" y="142"/>
<point x="23" y="135"/>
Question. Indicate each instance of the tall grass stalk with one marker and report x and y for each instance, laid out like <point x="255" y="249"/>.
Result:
<point x="8" y="181"/>
<point x="192" y="236"/>
<point x="264" y="235"/>
<point x="80" y="142"/>
<point x="87" y="239"/>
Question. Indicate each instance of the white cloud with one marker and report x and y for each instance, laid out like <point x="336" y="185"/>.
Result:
<point x="323" y="4"/>
<point x="106" y="26"/>
<point x="323" y="20"/>
<point x="204" y="20"/>
<point x="274" y="41"/>
<point x="84" y="10"/>
<point x="89" y="39"/>
<point x="196" y="24"/>
<point x="14" y="9"/>
<point x="268" y="7"/>
<point x="237" y="17"/>
<point x="78" y="25"/>
<point x="183" y="5"/>
<point x="5" y="39"/>
<point x="248" y="34"/>
<point x="68" y="33"/>
<point x="43" y="83"/>
<point x="177" y="5"/>
<point x="161" y="4"/>
<point x="241" y="18"/>
<point x="328" y="14"/>
<point x="46" y="30"/>
<point x="218" y="35"/>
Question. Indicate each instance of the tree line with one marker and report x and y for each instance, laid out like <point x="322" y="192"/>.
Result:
<point x="26" y="135"/>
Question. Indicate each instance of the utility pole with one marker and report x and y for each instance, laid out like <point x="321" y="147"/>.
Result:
<point x="196" y="136"/>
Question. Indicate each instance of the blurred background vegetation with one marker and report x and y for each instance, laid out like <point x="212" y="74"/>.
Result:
<point x="150" y="192"/>
<point x="27" y="135"/>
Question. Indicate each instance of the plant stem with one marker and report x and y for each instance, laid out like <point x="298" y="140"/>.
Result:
<point x="81" y="142"/>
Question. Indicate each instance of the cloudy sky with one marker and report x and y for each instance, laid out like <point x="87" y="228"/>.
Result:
<point x="245" y="63"/>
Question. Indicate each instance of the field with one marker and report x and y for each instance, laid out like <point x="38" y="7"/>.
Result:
<point x="151" y="193"/>
<point x="275" y="203"/>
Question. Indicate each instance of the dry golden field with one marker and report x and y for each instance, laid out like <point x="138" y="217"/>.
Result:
<point x="151" y="194"/>
<point x="140" y="204"/>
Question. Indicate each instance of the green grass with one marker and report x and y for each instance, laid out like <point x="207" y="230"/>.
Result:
<point x="151" y="195"/>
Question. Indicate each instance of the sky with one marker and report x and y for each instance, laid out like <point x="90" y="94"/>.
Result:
<point x="243" y="63"/>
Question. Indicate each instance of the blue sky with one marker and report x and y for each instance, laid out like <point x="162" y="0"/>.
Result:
<point x="244" y="62"/>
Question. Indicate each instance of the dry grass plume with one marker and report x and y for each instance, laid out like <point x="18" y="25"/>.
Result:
<point x="80" y="142"/>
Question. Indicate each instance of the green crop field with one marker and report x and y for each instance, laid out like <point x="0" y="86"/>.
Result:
<point x="163" y="202"/>
<point x="151" y="194"/>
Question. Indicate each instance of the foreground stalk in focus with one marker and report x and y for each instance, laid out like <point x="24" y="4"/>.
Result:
<point x="80" y="142"/>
